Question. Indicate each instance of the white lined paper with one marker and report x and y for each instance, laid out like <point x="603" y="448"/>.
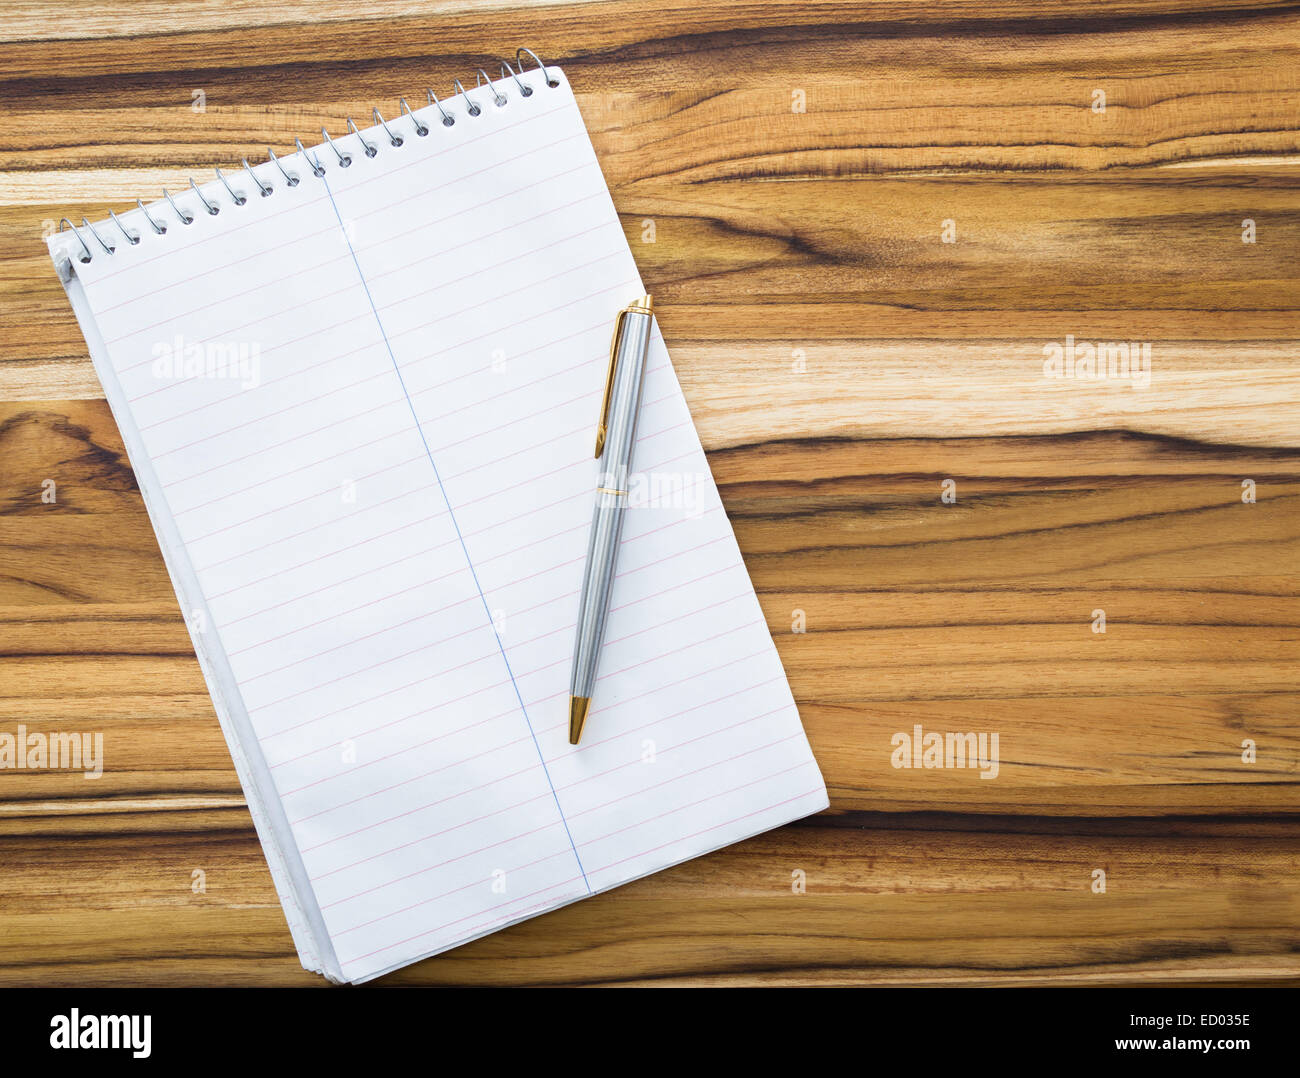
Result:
<point x="386" y="533"/>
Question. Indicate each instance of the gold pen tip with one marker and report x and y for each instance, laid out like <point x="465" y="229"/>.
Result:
<point x="645" y="303"/>
<point x="577" y="716"/>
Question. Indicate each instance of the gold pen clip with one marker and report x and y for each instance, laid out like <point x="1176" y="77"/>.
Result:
<point x="645" y="305"/>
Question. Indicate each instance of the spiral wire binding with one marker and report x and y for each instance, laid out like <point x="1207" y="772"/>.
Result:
<point x="317" y="168"/>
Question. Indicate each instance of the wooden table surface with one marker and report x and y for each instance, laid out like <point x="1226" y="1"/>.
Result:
<point x="843" y="363"/>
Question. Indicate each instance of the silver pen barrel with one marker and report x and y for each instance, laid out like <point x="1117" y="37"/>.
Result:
<point x="615" y="439"/>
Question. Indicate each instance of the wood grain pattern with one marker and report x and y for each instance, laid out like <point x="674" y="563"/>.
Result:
<point x="842" y="363"/>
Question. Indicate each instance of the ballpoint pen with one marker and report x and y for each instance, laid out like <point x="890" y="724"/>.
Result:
<point x="615" y="436"/>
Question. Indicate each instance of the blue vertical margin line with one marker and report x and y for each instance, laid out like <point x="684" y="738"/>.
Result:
<point x="464" y="549"/>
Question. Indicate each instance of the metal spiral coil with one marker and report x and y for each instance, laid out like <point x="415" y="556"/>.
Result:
<point x="462" y="101"/>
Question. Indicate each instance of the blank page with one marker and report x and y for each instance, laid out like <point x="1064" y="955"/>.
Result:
<point x="362" y="410"/>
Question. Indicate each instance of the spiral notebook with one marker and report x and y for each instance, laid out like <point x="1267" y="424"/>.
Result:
<point x="359" y="385"/>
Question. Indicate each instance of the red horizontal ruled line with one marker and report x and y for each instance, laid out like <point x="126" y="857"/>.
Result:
<point x="491" y="527"/>
<point x="514" y="710"/>
<point x="405" y="590"/>
<point x="459" y="603"/>
<point x="658" y="400"/>
<point x="670" y="621"/>
<point x="358" y="415"/>
<point x="526" y="449"/>
<point x="656" y="658"/>
<point x="395" y="658"/>
<point x="673" y="460"/>
<point x="706" y="830"/>
<point x="369" y="668"/>
<point x="451" y="860"/>
<point x="272" y="415"/>
<point x="563" y="883"/>
<point x="371" y="602"/>
<point x="402" y="237"/>
<point x="333" y="553"/>
<point x="423" y="327"/>
<point x="567" y="849"/>
<point x="459" y="314"/>
<point x="419" y="681"/>
<point x="511" y="711"/>
<point x="430" y="613"/>
<point x="680" y="520"/>
<point x="638" y="762"/>
<point x="323" y="588"/>
<point x="590" y="744"/>
<point x="391" y="595"/>
<point x="503" y="920"/>
<point x="377" y="663"/>
<point x="405" y="367"/>
<point x="332" y="489"/>
<point x="414" y="778"/>
<point x="408" y="621"/>
<point x="675" y="554"/>
<point x="618" y="575"/>
<point x="528" y="482"/>
<point x="596" y="743"/>
<point x="394" y="433"/>
<point x="631" y="602"/>
<point x="673" y="587"/>
<point x="518" y="613"/>
<point x="350" y="771"/>
<point x="482" y="689"/>
<point x="532" y="448"/>
<point x="559" y="437"/>
<point x="701" y="801"/>
<point x="492" y="399"/>
<point x="358" y="639"/>
<point x="393" y="531"/>
<point x="316" y="331"/>
<point x="544" y="475"/>
<point x="282" y="311"/>
<point x="499" y="920"/>
<point x="630" y="731"/>
<point x="510" y="744"/>
<point x="510" y="838"/>
<point x="589" y="393"/>
<point x="684" y="647"/>
<point x="420" y="808"/>
<point x="291" y="471"/>
<point x="440" y="156"/>
<point x="389" y="692"/>
<point x="479" y="237"/>
<point x="315" y="367"/>
<point x="420" y="744"/>
<point x="662" y="430"/>
<point x="217" y="335"/>
<point x="307" y="531"/>
<point x="338" y="583"/>
<point x="517" y="452"/>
